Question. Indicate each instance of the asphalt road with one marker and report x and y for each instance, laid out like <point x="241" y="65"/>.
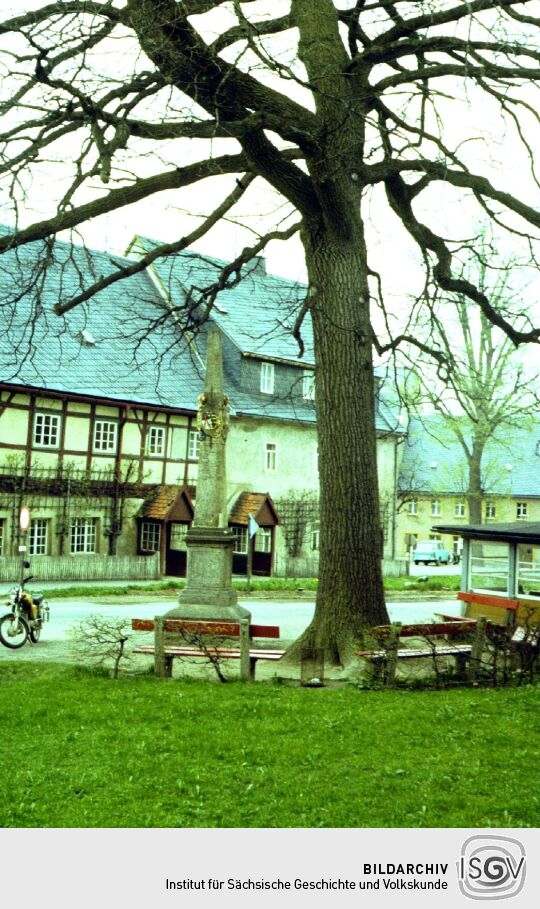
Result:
<point x="292" y="616"/>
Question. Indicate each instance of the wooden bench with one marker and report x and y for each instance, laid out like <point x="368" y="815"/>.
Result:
<point x="498" y="610"/>
<point x="467" y="656"/>
<point x="186" y="643"/>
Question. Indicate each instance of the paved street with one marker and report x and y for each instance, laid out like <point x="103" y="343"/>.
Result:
<point x="292" y="616"/>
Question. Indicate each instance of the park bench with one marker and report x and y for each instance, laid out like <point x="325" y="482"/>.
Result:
<point x="186" y="638"/>
<point x="466" y="655"/>
<point x="499" y="610"/>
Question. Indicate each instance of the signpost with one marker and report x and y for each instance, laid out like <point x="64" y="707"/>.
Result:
<point x="252" y="530"/>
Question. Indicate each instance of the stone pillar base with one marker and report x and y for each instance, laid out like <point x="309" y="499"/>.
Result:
<point x="209" y="574"/>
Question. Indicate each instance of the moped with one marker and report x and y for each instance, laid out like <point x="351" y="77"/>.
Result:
<point x="26" y="617"/>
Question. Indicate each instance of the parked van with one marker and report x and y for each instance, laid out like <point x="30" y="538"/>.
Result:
<point x="427" y="551"/>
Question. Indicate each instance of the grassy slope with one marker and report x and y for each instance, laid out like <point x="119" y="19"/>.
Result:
<point x="82" y="750"/>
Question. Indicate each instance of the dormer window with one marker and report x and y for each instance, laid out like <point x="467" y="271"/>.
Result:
<point x="267" y="378"/>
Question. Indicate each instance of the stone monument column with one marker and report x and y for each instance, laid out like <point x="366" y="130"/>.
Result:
<point x="208" y="592"/>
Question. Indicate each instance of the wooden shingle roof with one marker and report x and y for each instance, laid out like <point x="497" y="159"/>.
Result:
<point x="257" y="504"/>
<point x="167" y="503"/>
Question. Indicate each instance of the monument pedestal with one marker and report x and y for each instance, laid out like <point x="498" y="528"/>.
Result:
<point x="208" y="593"/>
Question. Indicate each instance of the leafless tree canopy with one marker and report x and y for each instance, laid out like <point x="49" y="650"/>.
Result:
<point x="298" y="97"/>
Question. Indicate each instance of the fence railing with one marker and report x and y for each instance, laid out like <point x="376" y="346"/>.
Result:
<point x="308" y="567"/>
<point x="84" y="568"/>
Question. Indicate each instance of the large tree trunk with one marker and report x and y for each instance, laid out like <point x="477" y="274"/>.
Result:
<point x="350" y="597"/>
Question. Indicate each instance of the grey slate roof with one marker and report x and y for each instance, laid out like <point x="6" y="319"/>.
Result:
<point x="258" y="313"/>
<point x="123" y="345"/>
<point x="43" y="350"/>
<point x="511" y="464"/>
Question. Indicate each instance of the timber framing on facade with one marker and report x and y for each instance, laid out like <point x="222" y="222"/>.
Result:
<point x="97" y="411"/>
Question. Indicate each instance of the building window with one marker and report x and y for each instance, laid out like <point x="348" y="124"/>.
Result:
<point x="241" y="544"/>
<point x="2" y="525"/>
<point x="177" y="538"/>
<point x="270" y="456"/>
<point x="155" y="440"/>
<point x="38" y="537"/>
<point x="263" y="539"/>
<point x="46" y="430"/>
<point x="412" y="506"/>
<point x="434" y="536"/>
<point x="105" y="434"/>
<point x="193" y="445"/>
<point x="491" y="510"/>
<point x="308" y="385"/>
<point x="83" y="535"/>
<point x="150" y="536"/>
<point x="460" y="510"/>
<point x="457" y="546"/>
<point x="267" y="378"/>
<point x="435" y="508"/>
<point x="315" y="540"/>
<point x="521" y="510"/>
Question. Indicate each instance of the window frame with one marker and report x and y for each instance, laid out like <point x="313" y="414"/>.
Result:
<point x="42" y="416"/>
<point x="241" y="539"/>
<point x="491" y="509"/>
<point x="436" y="508"/>
<point x="110" y="450"/>
<point x="43" y="541"/>
<point x="267" y="378"/>
<point x="153" y="430"/>
<point x="145" y="528"/>
<point x="459" y="509"/>
<point x="2" y="535"/>
<point x="264" y="537"/>
<point x="193" y="445"/>
<point x="412" y="507"/>
<point x="270" y="457"/>
<point x="522" y="507"/>
<point x="90" y="532"/>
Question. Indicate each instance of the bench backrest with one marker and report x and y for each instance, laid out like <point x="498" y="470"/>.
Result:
<point x="197" y="626"/>
<point x="426" y="629"/>
<point x="498" y="609"/>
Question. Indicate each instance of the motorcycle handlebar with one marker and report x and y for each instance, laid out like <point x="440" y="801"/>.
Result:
<point x="29" y="578"/>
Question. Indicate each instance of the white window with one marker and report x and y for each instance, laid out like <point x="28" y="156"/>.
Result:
<point x="241" y="544"/>
<point x="412" y="506"/>
<point x="83" y="535"/>
<point x="155" y="440"/>
<point x="263" y="540"/>
<point x="177" y="539"/>
<point x="435" y="508"/>
<point x="308" y="385"/>
<point x="491" y="510"/>
<point x="521" y="510"/>
<point x="270" y="455"/>
<point x="460" y="510"/>
<point x="150" y="536"/>
<point x="193" y="445"/>
<point x="2" y="525"/>
<point x="105" y="434"/>
<point x="38" y="537"/>
<point x="434" y="536"/>
<point x="267" y="378"/>
<point x="47" y="430"/>
<point x="315" y="540"/>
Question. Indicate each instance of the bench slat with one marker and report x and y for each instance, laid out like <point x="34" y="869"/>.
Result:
<point x="484" y="599"/>
<point x="457" y="650"/>
<point x="226" y="629"/>
<point x="220" y="652"/>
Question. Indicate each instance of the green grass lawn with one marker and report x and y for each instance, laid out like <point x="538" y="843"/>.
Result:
<point x="81" y="750"/>
<point x="258" y="585"/>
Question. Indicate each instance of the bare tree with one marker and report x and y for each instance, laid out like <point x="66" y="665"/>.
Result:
<point x="331" y="104"/>
<point x="101" y="640"/>
<point x="485" y="390"/>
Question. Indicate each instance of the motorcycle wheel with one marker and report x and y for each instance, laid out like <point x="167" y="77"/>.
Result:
<point x="18" y="626"/>
<point x="35" y="633"/>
